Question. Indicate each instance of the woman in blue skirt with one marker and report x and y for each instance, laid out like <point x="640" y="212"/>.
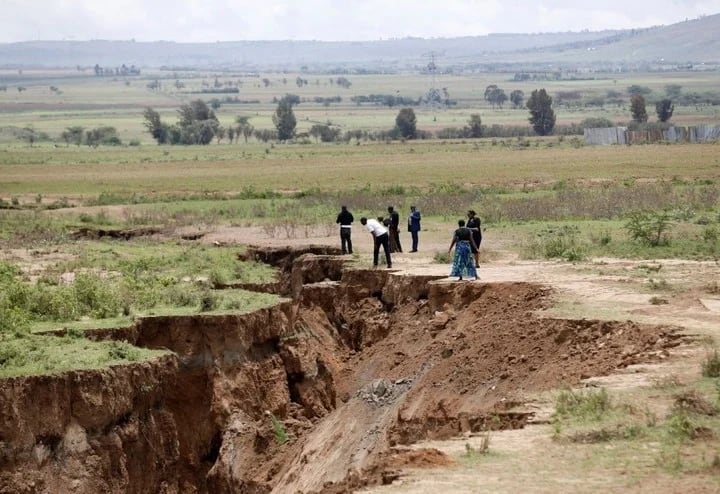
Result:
<point x="463" y="262"/>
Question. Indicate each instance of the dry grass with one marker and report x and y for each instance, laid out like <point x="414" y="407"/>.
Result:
<point x="82" y="171"/>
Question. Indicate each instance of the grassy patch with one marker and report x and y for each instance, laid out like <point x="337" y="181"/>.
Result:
<point x="32" y="354"/>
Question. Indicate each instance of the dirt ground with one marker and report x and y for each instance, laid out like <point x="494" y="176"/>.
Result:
<point x="383" y="379"/>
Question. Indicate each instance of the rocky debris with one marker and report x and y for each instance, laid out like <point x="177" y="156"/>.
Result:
<point x="382" y="392"/>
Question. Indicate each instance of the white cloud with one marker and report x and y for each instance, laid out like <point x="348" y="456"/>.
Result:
<point x="225" y="20"/>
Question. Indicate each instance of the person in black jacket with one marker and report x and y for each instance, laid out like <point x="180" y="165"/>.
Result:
<point x="345" y="219"/>
<point x="473" y="224"/>
<point x="394" y="228"/>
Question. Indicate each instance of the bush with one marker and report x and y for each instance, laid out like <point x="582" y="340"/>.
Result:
<point x="122" y="350"/>
<point x="53" y="303"/>
<point x="557" y="243"/>
<point x="711" y="365"/>
<point x="648" y="227"/>
<point x="582" y="405"/>
<point x="95" y="296"/>
<point x="209" y="301"/>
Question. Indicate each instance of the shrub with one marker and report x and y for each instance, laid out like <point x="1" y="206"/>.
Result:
<point x="557" y="243"/>
<point x="122" y="350"/>
<point x="279" y="431"/>
<point x="583" y="405"/>
<point x="95" y="296"/>
<point x="209" y="301"/>
<point x="711" y="365"/>
<point x="53" y="303"/>
<point x="649" y="228"/>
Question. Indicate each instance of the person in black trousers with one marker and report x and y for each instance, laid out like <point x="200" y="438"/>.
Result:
<point x="414" y="227"/>
<point x="380" y="237"/>
<point x="473" y="224"/>
<point x="345" y="219"/>
<point x="394" y="230"/>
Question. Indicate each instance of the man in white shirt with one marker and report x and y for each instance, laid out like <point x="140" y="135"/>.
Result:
<point x="380" y="236"/>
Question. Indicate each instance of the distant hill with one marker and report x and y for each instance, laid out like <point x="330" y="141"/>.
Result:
<point x="696" y="41"/>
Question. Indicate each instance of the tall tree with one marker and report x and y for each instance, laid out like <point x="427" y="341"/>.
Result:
<point x="517" y="98"/>
<point x="637" y="108"/>
<point x="284" y="120"/>
<point x="542" y="116"/>
<point x="153" y="124"/>
<point x="406" y="123"/>
<point x="495" y="95"/>
<point x="475" y="126"/>
<point x="664" y="109"/>
<point x="244" y="127"/>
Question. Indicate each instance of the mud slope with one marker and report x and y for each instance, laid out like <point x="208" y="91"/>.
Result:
<point x="358" y="364"/>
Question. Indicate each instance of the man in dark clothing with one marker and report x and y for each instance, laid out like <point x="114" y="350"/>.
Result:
<point x="394" y="228"/>
<point x="345" y="219"/>
<point x="414" y="227"/>
<point x="473" y="224"/>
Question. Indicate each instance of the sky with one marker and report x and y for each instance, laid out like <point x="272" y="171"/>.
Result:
<point x="327" y="20"/>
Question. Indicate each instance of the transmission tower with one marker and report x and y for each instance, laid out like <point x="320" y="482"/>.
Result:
<point x="433" y="96"/>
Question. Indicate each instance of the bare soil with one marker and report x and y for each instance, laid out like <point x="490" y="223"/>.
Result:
<point x="369" y="373"/>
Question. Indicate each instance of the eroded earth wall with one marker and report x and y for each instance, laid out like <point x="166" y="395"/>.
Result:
<point x="312" y="395"/>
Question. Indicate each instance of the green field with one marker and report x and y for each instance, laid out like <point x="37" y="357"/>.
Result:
<point x="90" y="101"/>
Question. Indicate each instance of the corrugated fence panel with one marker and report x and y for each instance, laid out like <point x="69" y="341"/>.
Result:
<point x="620" y="135"/>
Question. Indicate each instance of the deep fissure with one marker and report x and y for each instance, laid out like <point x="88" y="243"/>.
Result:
<point x="400" y="357"/>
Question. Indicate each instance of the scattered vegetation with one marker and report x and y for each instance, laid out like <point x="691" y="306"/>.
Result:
<point x="281" y="435"/>
<point x="711" y="365"/>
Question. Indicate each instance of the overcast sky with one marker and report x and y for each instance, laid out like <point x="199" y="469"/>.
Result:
<point x="330" y="20"/>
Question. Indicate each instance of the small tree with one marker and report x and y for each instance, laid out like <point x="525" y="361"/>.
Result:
<point x="637" y="108"/>
<point x="517" y="97"/>
<point x="244" y="128"/>
<point x="664" y="109"/>
<point x="284" y="120"/>
<point x="73" y="135"/>
<point x="406" y="123"/>
<point x="153" y="124"/>
<point x="475" y="126"/>
<point x="542" y="116"/>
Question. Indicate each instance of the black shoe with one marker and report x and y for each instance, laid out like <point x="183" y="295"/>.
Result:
<point x="413" y="251"/>
<point x="389" y="266"/>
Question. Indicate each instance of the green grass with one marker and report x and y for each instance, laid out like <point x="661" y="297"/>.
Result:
<point x="114" y="280"/>
<point x="335" y="168"/>
<point x="32" y="354"/>
<point x="684" y="439"/>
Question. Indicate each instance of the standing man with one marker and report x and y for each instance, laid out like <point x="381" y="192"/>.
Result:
<point x="473" y="224"/>
<point x="380" y="237"/>
<point x="394" y="230"/>
<point x="414" y="227"/>
<point x="345" y="219"/>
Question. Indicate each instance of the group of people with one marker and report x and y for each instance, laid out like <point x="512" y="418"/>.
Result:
<point x="386" y="234"/>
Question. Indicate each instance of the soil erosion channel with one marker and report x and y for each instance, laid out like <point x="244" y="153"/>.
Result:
<point x="316" y="394"/>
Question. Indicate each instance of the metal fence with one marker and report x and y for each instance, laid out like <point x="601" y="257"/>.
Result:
<point x="621" y="135"/>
